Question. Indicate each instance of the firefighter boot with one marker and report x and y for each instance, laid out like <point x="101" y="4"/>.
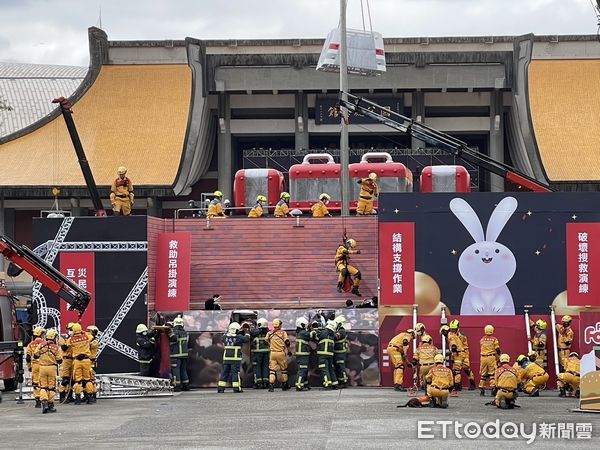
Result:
<point x="285" y="386"/>
<point x="577" y="395"/>
<point x="339" y="286"/>
<point x="62" y="396"/>
<point x="399" y="388"/>
<point x="221" y="390"/>
<point x="271" y="387"/>
<point x="562" y="393"/>
<point x="472" y="387"/>
<point x="38" y="403"/>
<point x="44" y="406"/>
<point x="51" y="407"/>
<point x="77" y="399"/>
<point x="355" y="291"/>
<point x="482" y="392"/>
<point x="457" y="387"/>
<point x="265" y="385"/>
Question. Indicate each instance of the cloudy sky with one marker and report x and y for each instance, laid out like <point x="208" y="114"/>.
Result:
<point x="55" y="31"/>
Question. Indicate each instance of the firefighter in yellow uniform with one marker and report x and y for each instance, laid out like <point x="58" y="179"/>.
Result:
<point x="490" y="350"/>
<point x="49" y="356"/>
<point x="465" y="360"/>
<point x="455" y="351"/>
<point x="420" y="331"/>
<point x="539" y="342"/>
<point x="425" y="358"/>
<point x="279" y="349"/>
<point x="33" y="365"/>
<point x="282" y="209"/>
<point x="439" y="382"/>
<point x="319" y="209"/>
<point x="66" y="368"/>
<point x="257" y="209"/>
<point x="398" y="352"/>
<point x="93" y="331"/>
<point x="534" y="376"/>
<point x="215" y="209"/>
<point x="569" y="379"/>
<point x="564" y="339"/>
<point x="518" y="366"/>
<point x="506" y="381"/>
<point x="342" y="255"/>
<point x="368" y="190"/>
<point x="79" y="344"/>
<point x="121" y="193"/>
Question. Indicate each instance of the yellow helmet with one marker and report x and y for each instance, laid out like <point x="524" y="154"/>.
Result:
<point x="38" y="331"/>
<point x="324" y="197"/>
<point x="350" y="243"/>
<point x="489" y="330"/>
<point x="419" y="327"/>
<point x="520" y="358"/>
<point x="277" y="323"/>
<point x="532" y="353"/>
<point x="373" y="176"/>
<point x="121" y="170"/>
<point x="426" y="338"/>
<point x="541" y="324"/>
<point x="411" y="331"/>
<point x="284" y="195"/>
<point x="454" y="324"/>
<point x="51" y="334"/>
<point x="70" y="326"/>
<point x="218" y="194"/>
<point x="141" y="328"/>
<point x="567" y="319"/>
<point x="444" y="329"/>
<point x="438" y="359"/>
<point x="504" y="358"/>
<point x="76" y="328"/>
<point x="261" y="198"/>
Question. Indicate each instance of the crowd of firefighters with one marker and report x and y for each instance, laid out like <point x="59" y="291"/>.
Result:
<point x="72" y="355"/>
<point x="528" y="374"/>
<point x="368" y="191"/>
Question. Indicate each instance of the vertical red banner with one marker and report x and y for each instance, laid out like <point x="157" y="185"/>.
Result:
<point x="79" y="267"/>
<point x="583" y="264"/>
<point x="397" y="263"/>
<point x="173" y="261"/>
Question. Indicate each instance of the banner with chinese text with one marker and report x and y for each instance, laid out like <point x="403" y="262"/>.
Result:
<point x="79" y="267"/>
<point x="397" y="263"/>
<point x="583" y="264"/>
<point x="173" y="271"/>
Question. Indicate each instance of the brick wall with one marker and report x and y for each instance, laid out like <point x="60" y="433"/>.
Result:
<point x="270" y="263"/>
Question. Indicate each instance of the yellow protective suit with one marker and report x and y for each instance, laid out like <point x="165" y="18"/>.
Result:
<point x="282" y="209"/>
<point x="342" y="256"/>
<point x="278" y="343"/>
<point x="534" y="377"/>
<point x="455" y="344"/>
<point x="424" y="357"/>
<point x="368" y="190"/>
<point x="397" y="350"/>
<point x="319" y="209"/>
<point x="490" y="349"/>
<point x="564" y="341"/>
<point x="506" y="380"/>
<point x="439" y="381"/>
<point x="215" y="210"/>
<point x="33" y="365"/>
<point x="570" y="376"/>
<point x="80" y="347"/>
<point x="49" y="356"/>
<point x="256" y="211"/>
<point x="121" y="196"/>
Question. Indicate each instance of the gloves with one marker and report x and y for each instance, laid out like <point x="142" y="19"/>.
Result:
<point x="289" y="353"/>
<point x="568" y="343"/>
<point x="531" y="323"/>
<point x="414" y="361"/>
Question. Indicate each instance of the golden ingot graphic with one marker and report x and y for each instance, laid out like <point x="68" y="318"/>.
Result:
<point x="427" y="293"/>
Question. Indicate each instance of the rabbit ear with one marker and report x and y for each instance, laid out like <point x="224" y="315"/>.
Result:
<point x="463" y="211"/>
<point x="500" y="216"/>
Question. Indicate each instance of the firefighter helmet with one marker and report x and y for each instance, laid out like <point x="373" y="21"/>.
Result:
<point x="262" y="323"/>
<point x="574" y="354"/>
<point x="521" y="358"/>
<point x="233" y="328"/>
<point x="277" y="323"/>
<point x="567" y="319"/>
<point x="218" y="194"/>
<point x="426" y="339"/>
<point x="284" y="195"/>
<point x="121" y="170"/>
<point x="324" y="197"/>
<point x="532" y="353"/>
<point x="350" y="243"/>
<point x="141" y="328"/>
<point x="439" y="359"/>
<point x="261" y="199"/>
<point x="444" y="329"/>
<point x="541" y="324"/>
<point x="331" y="325"/>
<point x="70" y="326"/>
<point x="38" y="331"/>
<point x="51" y="334"/>
<point x="301" y="322"/>
<point x="420" y="328"/>
<point x="504" y="358"/>
<point x="454" y="324"/>
<point x="93" y="329"/>
<point x="76" y="328"/>
<point x="373" y="176"/>
<point x="489" y="330"/>
<point x="340" y="320"/>
<point x="178" y="321"/>
<point x="411" y="331"/>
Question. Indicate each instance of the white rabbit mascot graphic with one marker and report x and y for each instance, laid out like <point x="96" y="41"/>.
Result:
<point x="486" y="265"/>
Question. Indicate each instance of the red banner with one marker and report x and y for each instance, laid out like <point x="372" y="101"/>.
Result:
<point x="79" y="267"/>
<point x="173" y="271"/>
<point x="397" y="263"/>
<point x="583" y="264"/>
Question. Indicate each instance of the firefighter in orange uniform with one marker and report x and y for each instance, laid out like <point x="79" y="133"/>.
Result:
<point x="342" y="255"/>
<point x="439" y="382"/>
<point x="465" y="360"/>
<point x="569" y="379"/>
<point x="425" y="358"/>
<point x="215" y="209"/>
<point x="49" y="356"/>
<point x="490" y="351"/>
<point x="282" y="208"/>
<point x="66" y="368"/>
<point x="564" y="339"/>
<point x="420" y="330"/>
<point x="368" y="190"/>
<point x="398" y="352"/>
<point x="534" y="376"/>
<point x="518" y="366"/>
<point x="279" y="347"/>
<point x="506" y="381"/>
<point x="121" y="193"/>
<point x="455" y="352"/>
<point x="33" y="365"/>
<point x="257" y="210"/>
<point x="539" y="341"/>
<point x="79" y="344"/>
<point x="93" y="331"/>
<point x="319" y="209"/>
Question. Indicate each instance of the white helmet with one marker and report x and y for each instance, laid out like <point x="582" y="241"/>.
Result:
<point x="340" y="320"/>
<point x="234" y="327"/>
<point x="301" y="322"/>
<point x="331" y="325"/>
<point x="262" y="323"/>
<point x="178" y="321"/>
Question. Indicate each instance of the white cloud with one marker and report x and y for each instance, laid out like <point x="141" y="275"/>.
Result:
<point x="55" y="31"/>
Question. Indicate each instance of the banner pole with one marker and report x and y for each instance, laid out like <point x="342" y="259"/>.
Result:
<point x="554" y="338"/>
<point x="527" y="327"/>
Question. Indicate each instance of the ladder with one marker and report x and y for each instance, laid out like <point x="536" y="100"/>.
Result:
<point x="121" y="385"/>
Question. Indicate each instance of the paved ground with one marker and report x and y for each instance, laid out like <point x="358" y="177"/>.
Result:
<point x="350" y="418"/>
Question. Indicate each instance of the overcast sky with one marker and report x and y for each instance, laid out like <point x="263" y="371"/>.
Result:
<point x="55" y="31"/>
